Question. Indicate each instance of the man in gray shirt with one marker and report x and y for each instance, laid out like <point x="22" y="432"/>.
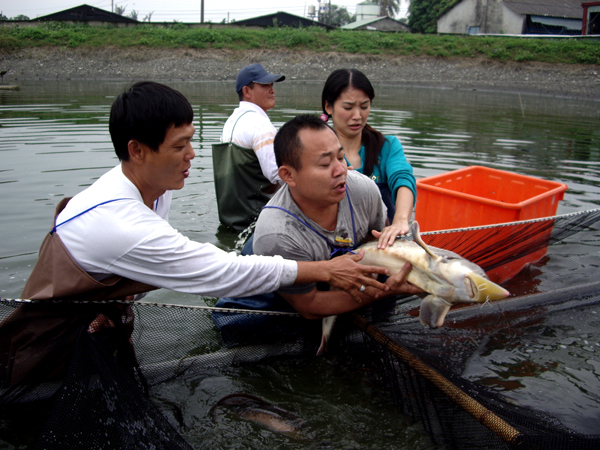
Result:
<point x="322" y="210"/>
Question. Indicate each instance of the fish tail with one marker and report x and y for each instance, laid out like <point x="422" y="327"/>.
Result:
<point x="323" y="346"/>
<point x="327" y="328"/>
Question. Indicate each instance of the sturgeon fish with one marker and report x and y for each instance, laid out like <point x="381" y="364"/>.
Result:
<point x="262" y="413"/>
<point x="447" y="277"/>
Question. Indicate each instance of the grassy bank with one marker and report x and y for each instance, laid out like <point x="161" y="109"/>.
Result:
<point x="569" y="51"/>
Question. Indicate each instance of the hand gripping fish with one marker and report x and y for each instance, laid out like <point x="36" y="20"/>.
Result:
<point x="445" y="276"/>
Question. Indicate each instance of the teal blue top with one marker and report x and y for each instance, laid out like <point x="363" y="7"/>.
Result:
<point x="393" y="168"/>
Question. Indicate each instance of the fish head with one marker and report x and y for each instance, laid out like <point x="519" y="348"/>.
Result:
<point x="468" y="283"/>
<point x="483" y="289"/>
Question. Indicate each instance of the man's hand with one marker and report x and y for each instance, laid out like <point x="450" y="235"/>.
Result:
<point x="388" y="235"/>
<point x="345" y="274"/>
<point x="399" y="285"/>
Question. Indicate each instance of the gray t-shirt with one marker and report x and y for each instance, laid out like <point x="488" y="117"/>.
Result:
<point x="279" y="233"/>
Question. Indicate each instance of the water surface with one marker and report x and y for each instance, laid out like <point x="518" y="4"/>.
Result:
<point x="54" y="142"/>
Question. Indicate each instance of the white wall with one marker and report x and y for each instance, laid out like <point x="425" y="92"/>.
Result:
<point x="367" y="12"/>
<point x="512" y="23"/>
<point x="491" y="16"/>
<point x="459" y="18"/>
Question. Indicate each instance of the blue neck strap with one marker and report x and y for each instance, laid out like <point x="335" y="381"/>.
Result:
<point x="95" y="206"/>
<point x="334" y="247"/>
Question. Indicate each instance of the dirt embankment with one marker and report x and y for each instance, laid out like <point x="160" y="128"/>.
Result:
<point x="580" y="81"/>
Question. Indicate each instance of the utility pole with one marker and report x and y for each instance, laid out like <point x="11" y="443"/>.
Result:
<point x="201" y="11"/>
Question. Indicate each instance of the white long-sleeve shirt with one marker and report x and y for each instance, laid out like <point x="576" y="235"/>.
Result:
<point x="127" y="238"/>
<point x="255" y="131"/>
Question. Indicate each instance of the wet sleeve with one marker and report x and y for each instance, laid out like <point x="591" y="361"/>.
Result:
<point x="163" y="257"/>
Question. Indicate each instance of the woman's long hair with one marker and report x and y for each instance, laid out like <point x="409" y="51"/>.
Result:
<point x="339" y="80"/>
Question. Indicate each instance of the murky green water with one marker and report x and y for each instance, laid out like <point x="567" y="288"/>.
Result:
<point x="54" y="142"/>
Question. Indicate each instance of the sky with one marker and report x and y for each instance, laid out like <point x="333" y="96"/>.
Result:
<point x="180" y="10"/>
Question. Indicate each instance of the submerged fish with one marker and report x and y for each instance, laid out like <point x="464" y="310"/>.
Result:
<point x="262" y="413"/>
<point x="445" y="276"/>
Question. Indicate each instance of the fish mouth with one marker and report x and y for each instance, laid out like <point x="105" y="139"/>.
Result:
<point x="484" y="290"/>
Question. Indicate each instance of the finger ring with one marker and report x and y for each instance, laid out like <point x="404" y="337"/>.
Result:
<point x="362" y="288"/>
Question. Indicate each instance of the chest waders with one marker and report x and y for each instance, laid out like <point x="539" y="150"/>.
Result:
<point x="37" y="340"/>
<point x="240" y="186"/>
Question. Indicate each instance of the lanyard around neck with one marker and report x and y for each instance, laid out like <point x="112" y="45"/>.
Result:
<point x="334" y="247"/>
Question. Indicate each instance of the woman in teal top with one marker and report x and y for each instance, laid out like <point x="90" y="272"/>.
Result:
<point x="346" y="99"/>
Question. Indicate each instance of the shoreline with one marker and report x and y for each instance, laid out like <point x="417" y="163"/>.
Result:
<point x="556" y="80"/>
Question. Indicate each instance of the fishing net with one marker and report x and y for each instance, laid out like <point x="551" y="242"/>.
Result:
<point x="523" y="372"/>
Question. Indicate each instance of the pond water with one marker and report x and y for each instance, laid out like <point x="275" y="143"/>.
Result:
<point x="54" y="142"/>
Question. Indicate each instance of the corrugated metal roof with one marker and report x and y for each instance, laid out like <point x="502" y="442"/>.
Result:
<point x="362" y="23"/>
<point x="283" y="18"/>
<point x="551" y="8"/>
<point x="86" y="13"/>
<point x="385" y="20"/>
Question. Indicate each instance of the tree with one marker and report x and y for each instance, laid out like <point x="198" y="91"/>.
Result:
<point x="340" y="16"/>
<point x="388" y="7"/>
<point x="120" y="10"/>
<point x="3" y="17"/>
<point x="21" y="17"/>
<point x="133" y="14"/>
<point x="148" y="17"/>
<point x="423" y="14"/>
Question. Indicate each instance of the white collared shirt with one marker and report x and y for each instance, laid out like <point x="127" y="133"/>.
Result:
<point x="129" y="239"/>
<point x="255" y="131"/>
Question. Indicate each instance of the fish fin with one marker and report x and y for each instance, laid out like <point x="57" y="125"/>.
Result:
<point x="327" y="328"/>
<point x="433" y="311"/>
<point x="414" y="229"/>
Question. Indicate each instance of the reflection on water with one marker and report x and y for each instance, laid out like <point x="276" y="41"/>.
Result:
<point x="55" y="142"/>
<point x="559" y="371"/>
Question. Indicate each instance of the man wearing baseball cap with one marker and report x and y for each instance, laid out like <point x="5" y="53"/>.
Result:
<point x="244" y="164"/>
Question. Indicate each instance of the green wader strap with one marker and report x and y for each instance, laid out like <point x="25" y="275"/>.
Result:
<point x="241" y="188"/>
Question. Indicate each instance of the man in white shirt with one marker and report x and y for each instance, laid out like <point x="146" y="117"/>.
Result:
<point x="245" y="171"/>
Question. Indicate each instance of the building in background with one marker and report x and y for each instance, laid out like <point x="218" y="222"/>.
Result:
<point x="591" y="18"/>
<point x="280" y="19"/>
<point x="86" y="13"/>
<point x="377" y="24"/>
<point x="512" y="17"/>
<point x="367" y="11"/>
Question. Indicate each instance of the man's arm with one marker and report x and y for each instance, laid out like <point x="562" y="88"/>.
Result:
<point x="318" y="304"/>
<point x="266" y="159"/>
<point x="343" y="273"/>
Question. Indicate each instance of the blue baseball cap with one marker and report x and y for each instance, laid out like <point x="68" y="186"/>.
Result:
<point x="255" y="73"/>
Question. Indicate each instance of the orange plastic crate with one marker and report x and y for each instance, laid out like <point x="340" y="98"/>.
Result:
<point x="477" y="195"/>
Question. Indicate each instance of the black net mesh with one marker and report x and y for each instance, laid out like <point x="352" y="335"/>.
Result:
<point x="518" y="373"/>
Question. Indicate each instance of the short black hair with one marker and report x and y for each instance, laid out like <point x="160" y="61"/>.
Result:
<point x="145" y="112"/>
<point x="241" y="93"/>
<point x="287" y="144"/>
